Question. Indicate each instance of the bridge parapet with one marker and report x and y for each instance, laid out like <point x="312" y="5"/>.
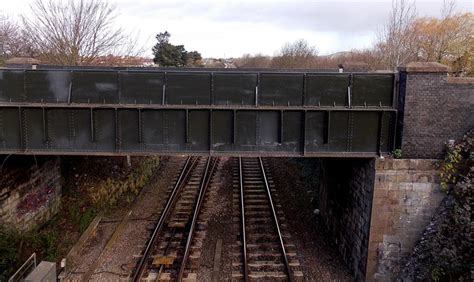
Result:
<point x="433" y="109"/>
<point x="199" y="112"/>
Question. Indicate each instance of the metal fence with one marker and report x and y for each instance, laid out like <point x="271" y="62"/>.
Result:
<point x="24" y="270"/>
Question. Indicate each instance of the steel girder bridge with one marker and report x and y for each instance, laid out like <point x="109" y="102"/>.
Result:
<point x="196" y="112"/>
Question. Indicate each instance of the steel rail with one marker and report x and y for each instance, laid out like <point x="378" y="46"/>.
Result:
<point x="242" y="213"/>
<point x="275" y="220"/>
<point x="187" y="168"/>
<point x="206" y="179"/>
<point x="168" y="246"/>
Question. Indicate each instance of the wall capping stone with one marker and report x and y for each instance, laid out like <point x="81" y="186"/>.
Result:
<point x="406" y="164"/>
<point x="420" y="67"/>
<point x="460" y="80"/>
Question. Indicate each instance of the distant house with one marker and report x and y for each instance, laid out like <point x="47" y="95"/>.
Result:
<point x="22" y="62"/>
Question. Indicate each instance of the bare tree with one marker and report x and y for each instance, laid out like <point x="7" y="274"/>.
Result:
<point x="298" y="54"/>
<point x="256" y="61"/>
<point x="396" y="43"/>
<point x="75" y="32"/>
<point x="7" y="31"/>
<point x="363" y="59"/>
<point x="448" y="40"/>
<point x="449" y="6"/>
<point x="13" y="43"/>
<point x="455" y="32"/>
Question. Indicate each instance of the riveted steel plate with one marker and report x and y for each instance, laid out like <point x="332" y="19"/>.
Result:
<point x="115" y="112"/>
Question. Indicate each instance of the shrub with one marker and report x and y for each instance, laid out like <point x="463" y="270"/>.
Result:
<point x="446" y="249"/>
<point x="397" y="153"/>
<point x="16" y="246"/>
<point x="456" y="161"/>
<point x="9" y="255"/>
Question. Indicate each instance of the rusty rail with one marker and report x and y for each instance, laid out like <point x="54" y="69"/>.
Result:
<point x="210" y="168"/>
<point x="266" y="189"/>
<point x="185" y="172"/>
<point x="275" y="220"/>
<point x="242" y="210"/>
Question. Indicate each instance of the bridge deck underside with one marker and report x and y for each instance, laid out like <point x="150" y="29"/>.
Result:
<point x="132" y="112"/>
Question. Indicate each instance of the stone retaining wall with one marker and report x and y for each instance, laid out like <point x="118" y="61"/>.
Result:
<point x="406" y="195"/>
<point x="30" y="196"/>
<point x="345" y="204"/>
<point x="376" y="210"/>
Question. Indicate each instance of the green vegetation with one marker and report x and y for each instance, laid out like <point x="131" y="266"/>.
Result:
<point x="449" y="169"/>
<point x="452" y="246"/>
<point x="107" y="193"/>
<point x="169" y="55"/>
<point x="446" y="250"/>
<point x="81" y="219"/>
<point x="397" y="153"/>
<point x="8" y="251"/>
<point x="50" y="242"/>
<point x="456" y="162"/>
<point x="79" y="206"/>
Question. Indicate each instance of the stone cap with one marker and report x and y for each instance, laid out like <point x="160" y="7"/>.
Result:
<point x="429" y="67"/>
<point x="22" y="61"/>
<point x="461" y="80"/>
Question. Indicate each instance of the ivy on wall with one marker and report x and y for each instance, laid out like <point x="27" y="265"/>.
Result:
<point x="456" y="162"/>
<point x="446" y="249"/>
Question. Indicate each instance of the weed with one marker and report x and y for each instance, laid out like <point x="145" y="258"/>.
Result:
<point x="86" y="219"/>
<point x="79" y="219"/>
<point x="108" y="192"/>
<point x="9" y="255"/>
<point x="456" y="161"/>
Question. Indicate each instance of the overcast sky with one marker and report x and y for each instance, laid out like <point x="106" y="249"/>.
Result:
<point x="220" y="28"/>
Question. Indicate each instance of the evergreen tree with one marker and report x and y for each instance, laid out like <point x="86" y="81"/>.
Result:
<point x="169" y="55"/>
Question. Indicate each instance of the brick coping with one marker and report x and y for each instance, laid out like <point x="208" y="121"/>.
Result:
<point x="427" y="67"/>
<point x="461" y="80"/>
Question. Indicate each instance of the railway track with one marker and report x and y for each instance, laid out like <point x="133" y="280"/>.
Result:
<point x="167" y="253"/>
<point x="263" y="251"/>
